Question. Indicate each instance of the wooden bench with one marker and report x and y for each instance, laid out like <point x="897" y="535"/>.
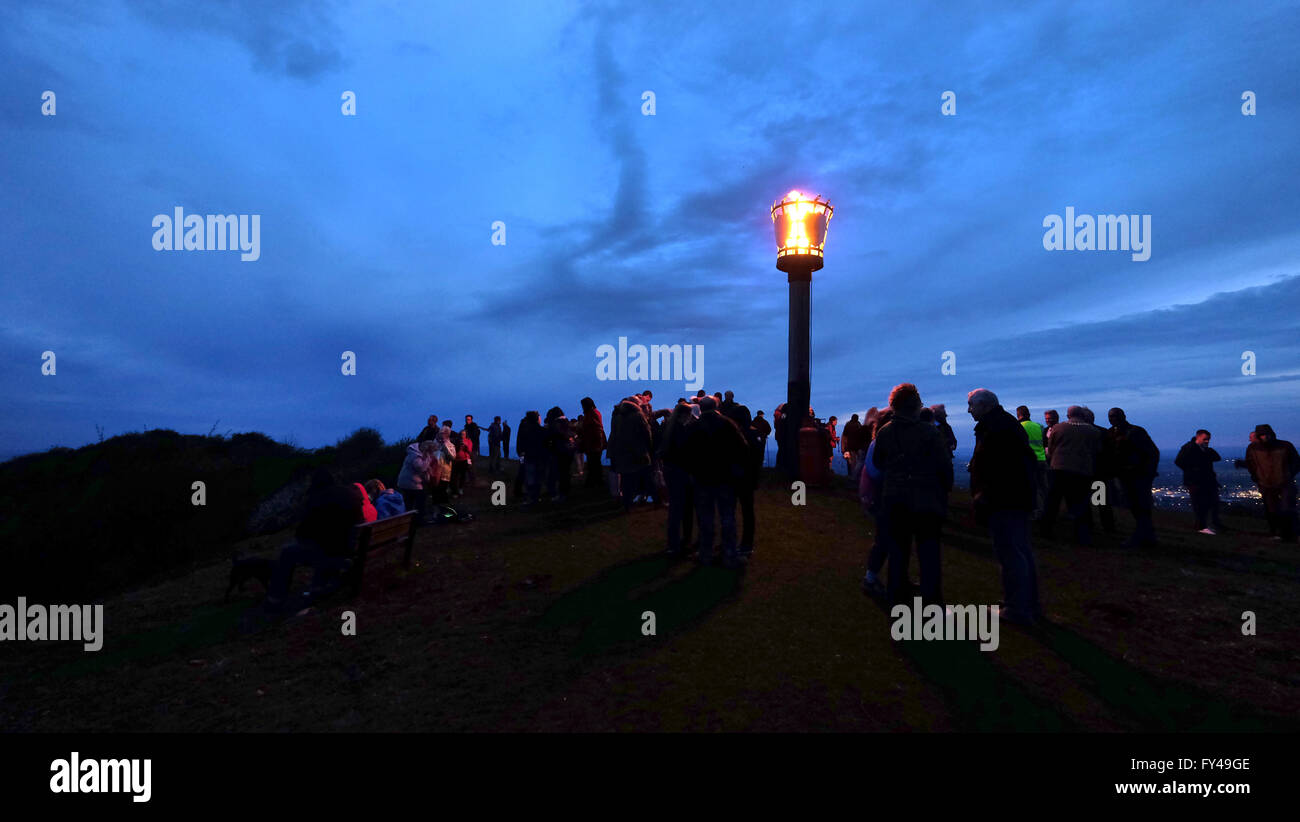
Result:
<point x="382" y="533"/>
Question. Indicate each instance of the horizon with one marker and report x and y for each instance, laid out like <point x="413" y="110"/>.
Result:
<point x="377" y="232"/>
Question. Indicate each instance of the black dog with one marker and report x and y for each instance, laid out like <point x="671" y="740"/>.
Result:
<point x="243" y="569"/>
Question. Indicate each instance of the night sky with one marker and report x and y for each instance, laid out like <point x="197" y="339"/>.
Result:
<point x="376" y="229"/>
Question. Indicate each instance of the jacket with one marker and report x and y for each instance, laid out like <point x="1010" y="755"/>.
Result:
<point x="1075" y="447"/>
<point x="1273" y="464"/>
<point x="630" y="439"/>
<point x="1003" y="465"/>
<point x="1034" y="432"/>
<point x="1198" y="465"/>
<point x="915" y="464"/>
<point x="591" y="434"/>
<point x="328" y="518"/>
<point x="368" y="513"/>
<point x="1133" y="453"/>
<point x="716" y="451"/>
<point x="389" y="504"/>
<point x="415" y="469"/>
<point x="530" y="443"/>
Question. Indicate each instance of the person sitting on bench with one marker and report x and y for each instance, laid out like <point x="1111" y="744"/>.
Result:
<point x="322" y="537"/>
<point x="387" y="502"/>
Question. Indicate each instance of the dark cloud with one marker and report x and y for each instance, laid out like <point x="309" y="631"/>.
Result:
<point x="296" y="38"/>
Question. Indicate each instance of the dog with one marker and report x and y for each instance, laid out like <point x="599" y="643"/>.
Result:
<point x="242" y="569"/>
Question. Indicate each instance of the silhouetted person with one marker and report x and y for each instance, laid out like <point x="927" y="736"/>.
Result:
<point x="849" y="443"/>
<point x="494" y="445"/>
<point x="1273" y="465"/>
<point x="323" y="537"/>
<point x="941" y="422"/>
<point x="430" y="431"/>
<point x="630" y="444"/>
<point x="413" y="481"/>
<point x="917" y="469"/>
<point x="531" y="446"/>
<point x="870" y="484"/>
<point x="1075" y="446"/>
<point x="1103" y="472"/>
<point x="764" y="429"/>
<point x="1050" y="420"/>
<point x="1136" y="464"/>
<point x="739" y="414"/>
<point x="718" y="453"/>
<point x="1003" y="472"/>
<point x="1037" y="442"/>
<point x="591" y="439"/>
<point x="1197" y="460"/>
<point x="505" y="439"/>
<point x="560" y="466"/>
<point x="675" y="456"/>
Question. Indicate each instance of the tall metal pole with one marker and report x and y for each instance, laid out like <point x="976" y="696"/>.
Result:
<point x="799" y="388"/>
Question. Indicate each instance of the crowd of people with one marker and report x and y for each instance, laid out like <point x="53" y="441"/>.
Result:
<point x="702" y="457"/>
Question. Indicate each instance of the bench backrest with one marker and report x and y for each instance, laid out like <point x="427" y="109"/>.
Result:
<point x="385" y="531"/>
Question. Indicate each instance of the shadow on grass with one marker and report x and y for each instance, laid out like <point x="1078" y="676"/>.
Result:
<point x="607" y="611"/>
<point x="208" y="625"/>
<point x="1148" y="702"/>
<point x="983" y="696"/>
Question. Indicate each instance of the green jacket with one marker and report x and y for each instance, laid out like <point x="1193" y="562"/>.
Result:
<point x="1035" y="433"/>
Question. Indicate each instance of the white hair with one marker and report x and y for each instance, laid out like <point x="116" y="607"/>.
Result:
<point x="982" y="399"/>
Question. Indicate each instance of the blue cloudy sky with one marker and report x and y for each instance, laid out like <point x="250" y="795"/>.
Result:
<point x="376" y="229"/>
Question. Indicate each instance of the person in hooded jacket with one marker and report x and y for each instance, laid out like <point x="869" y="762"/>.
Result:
<point x="1196" y="459"/>
<point x="412" y="480"/>
<point x="387" y="502"/>
<point x="591" y="439"/>
<point x="1273" y="465"/>
<point x="442" y="464"/>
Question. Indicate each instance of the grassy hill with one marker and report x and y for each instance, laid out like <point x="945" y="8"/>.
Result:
<point x="531" y="620"/>
<point x="81" y="523"/>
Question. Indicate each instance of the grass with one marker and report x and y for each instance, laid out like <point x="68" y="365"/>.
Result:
<point x="532" y="621"/>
